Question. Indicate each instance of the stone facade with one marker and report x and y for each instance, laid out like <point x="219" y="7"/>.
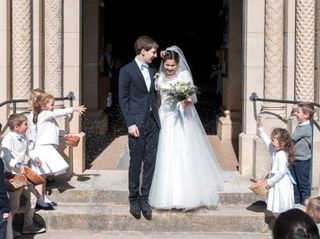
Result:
<point x="41" y="47"/>
<point x="272" y="50"/>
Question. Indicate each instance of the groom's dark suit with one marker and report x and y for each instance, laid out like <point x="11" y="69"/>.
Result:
<point x="139" y="107"/>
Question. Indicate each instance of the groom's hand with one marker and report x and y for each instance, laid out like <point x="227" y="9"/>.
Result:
<point x="134" y="131"/>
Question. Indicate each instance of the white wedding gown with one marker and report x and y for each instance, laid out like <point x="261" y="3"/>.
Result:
<point x="187" y="174"/>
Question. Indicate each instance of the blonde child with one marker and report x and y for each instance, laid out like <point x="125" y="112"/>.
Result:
<point x="312" y="207"/>
<point x="302" y="138"/>
<point x="47" y="137"/>
<point x="34" y="97"/>
<point x="13" y="153"/>
<point x="280" y="196"/>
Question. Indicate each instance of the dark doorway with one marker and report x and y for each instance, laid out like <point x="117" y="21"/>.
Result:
<point x="195" y="26"/>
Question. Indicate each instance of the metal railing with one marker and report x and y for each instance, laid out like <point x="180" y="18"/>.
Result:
<point x="254" y="97"/>
<point x="14" y="102"/>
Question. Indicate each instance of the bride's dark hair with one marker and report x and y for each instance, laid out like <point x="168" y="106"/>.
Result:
<point x="171" y="55"/>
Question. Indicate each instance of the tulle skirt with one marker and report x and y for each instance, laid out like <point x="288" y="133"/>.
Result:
<point x="187" y="174"/>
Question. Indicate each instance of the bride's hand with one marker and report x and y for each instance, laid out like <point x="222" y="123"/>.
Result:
<point x="185" y="103"/>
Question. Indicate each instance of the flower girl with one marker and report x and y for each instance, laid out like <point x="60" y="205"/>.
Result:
<point x="47" y="136"/>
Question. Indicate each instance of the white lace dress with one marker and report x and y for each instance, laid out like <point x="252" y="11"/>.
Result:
<point x="187" y="174"/>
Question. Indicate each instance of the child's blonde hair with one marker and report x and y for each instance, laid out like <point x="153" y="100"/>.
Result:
<point x="15" y="120"/>
<point x="35" y="96"/>
<point x="285" y="142"/>
<point x="307" y="108"/>
<point x="40" y="105"/>
<point x="312" y="207"/>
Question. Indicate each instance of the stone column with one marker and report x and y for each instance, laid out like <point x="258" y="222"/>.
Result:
<point x="273" y="70"/>
<point x="305" y="42"/>
<point x="229" y="126"/>
<point x="53" y="47"/>
<point x="305" y="65"/>
<point x="21" y="48"/>
<point x="5" y="57"/>
<point x="253" y="76"/>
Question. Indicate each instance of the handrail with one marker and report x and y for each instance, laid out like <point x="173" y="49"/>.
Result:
<point x="70" y="97"/>
<point x="254" y="97"/>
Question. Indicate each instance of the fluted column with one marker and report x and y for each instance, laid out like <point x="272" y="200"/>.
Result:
<point x="273" y="54"/>
<point x="21" y="48"/>
<point x="53" y="47"/>
<point x="305" y="42"/>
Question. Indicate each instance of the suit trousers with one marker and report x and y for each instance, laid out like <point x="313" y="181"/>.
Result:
<point x="143" y="153"/>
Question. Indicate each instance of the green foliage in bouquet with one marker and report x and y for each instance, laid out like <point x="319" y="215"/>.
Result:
<point x="181" y="90"/>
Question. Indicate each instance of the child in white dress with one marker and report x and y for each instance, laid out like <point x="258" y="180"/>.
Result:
<point x="47" y="136"/>
<point x="43" y="202"/>
<point x="281" y="148"/>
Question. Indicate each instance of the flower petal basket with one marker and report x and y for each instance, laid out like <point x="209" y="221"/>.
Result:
<point x="32" y="176"/>
<point x="72" y="140"/>
<point x="259" y="188"/>
<point x="15" y="181"/>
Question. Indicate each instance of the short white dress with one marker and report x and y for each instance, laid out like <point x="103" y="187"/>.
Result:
<point x="47" y="142"/>
<point x="187" y="174"/>
<point x="281" y="195"/>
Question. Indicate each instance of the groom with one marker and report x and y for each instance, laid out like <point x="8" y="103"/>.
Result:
<point x="137" y="99"/>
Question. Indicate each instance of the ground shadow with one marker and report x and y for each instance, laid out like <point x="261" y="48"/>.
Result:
<point x="261" y="206"/>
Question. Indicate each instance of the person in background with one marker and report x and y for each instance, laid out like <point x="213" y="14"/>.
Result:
<point x="295" y="224"/>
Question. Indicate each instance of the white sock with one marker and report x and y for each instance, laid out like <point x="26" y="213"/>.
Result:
<point x="47" y="200"/>
<point x="41" y="202"/>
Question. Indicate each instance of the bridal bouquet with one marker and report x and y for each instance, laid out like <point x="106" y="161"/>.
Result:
<point x="181" y="90"/>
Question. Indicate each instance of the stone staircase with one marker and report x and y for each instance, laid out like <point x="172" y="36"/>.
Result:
<point x="96" y="202"/>
<point x="95" y="205"/>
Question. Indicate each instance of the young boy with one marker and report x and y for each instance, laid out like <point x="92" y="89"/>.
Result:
<point x="302" y="138"/>
<point x="14" y="151"/>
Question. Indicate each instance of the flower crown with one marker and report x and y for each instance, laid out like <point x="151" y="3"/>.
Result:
<point x="164" y="54"/>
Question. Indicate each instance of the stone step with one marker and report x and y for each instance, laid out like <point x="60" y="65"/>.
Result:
<point x="116" y="217"/>
<point x="111" y="186"/>
<point x="62" y="234"/>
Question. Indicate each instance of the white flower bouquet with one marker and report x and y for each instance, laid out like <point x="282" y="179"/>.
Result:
<point x="181" y="90"/>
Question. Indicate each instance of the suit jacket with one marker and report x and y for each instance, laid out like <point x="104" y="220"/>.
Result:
<point x="134" y="98"/>
<point x="4" y="199"/>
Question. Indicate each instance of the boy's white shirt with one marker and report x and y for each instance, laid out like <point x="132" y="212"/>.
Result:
<point x="14" y="150"/>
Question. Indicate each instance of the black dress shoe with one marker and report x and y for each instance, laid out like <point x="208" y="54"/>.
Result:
<point x="48" y="207"/>
<point x="135" y="210"/>
<point x="146" y="211"/>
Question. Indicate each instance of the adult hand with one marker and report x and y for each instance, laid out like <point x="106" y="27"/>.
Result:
<point x="134" y="131"/>
<point x="185" y="103"/>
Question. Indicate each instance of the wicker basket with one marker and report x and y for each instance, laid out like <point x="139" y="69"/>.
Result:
<point x="15" y="181"/>
<point x="32" y="176"/>
<point x="259" y="188"/>
<point x="72" y="140"/>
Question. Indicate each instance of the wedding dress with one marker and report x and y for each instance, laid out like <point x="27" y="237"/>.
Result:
<point x="187" y="174"/>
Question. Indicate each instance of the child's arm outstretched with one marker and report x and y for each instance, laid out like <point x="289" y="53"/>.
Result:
<point x="80" y="109"/>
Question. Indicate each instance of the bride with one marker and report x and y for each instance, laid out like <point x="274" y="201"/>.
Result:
<point x="187" y="174"/>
